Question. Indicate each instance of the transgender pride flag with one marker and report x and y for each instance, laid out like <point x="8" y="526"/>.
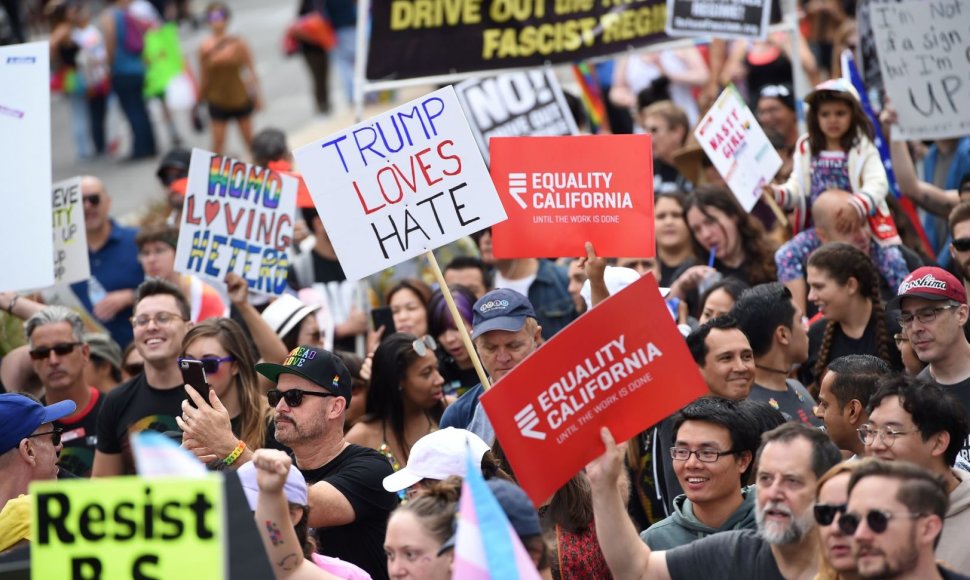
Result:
<point x="486" y="545"/>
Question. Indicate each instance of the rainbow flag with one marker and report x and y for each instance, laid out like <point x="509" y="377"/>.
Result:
<point x="592" y="97"/>
<point x="486" y="545"/>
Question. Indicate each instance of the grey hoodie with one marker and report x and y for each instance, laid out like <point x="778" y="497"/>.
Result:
<point x="956" y="526"/>
<point x="683" y="527"/>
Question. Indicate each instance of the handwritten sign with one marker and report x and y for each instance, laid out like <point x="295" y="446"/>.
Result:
<point x="128" y="527"/>
<point x="25" y="163"/>
<point x="738" y="147"/>
<point x="237" y="217"/>
<point x="397" y="185"/>
<point x="718" y="18"/>
<point x="518" y="104"/>
<point x="70" y="237"/>
<point x="560" y="192"/>
<point x="623" y="365"/>
<point x="924" y="57"/>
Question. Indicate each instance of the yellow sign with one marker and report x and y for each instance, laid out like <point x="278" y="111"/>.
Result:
<point x="128" y="527"/>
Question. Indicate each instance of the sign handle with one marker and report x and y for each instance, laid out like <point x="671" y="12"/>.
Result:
<point x="465" y="338"/>
<point x="770" y="201"/>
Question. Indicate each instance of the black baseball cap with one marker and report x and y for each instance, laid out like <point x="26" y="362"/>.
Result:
<point x="320" y="367"/>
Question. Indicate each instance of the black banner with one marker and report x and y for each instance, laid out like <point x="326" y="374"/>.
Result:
<point x="416" y="38"/>
<point x="719" y="18"/>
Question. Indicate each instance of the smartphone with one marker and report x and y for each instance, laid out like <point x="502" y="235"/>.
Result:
<point x="194" y="375"/>
<point x="383" y="317"/>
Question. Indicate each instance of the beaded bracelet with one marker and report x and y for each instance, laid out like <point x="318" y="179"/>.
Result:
<point x="232" y="457"/>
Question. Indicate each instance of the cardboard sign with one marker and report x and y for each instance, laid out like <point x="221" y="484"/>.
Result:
<point x="399" y="184"/>
<point x="719" y="18"/>
<point x="517" y="104"/>
<point x="25" y="163"/>
<point x="560" y="192"/>
<point x="71" y="263"/>
<point x="128" y="527"/>
<point x="623" y="365"/>
<point x="738" y="147"/>
<point x="237" y="218"/>
<point x="924" y="57"/>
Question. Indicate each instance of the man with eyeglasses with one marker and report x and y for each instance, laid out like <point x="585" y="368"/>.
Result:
<point x="55" y="336"/>
<point x="713" y="449"/>
<point x="789" y="462"/>
<point x="153" y="399"/>
<point x="894" y="516"/>
<point x="349" y="506"/>
<point x="933" y="311"/>
<point x="920" y="422"/>
<point x="29" y="445"/>
<point x="115" y="271"/>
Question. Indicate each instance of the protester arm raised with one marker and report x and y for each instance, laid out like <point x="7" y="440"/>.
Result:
<point x="269" y="346"/>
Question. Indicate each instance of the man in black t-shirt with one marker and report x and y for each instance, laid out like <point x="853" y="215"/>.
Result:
<point x="59" y="354"/>
<point x="791" y="459"/>
<point x="348" y="503"/>
<point x="152" y="400"/>
<point x="933" y="309"/>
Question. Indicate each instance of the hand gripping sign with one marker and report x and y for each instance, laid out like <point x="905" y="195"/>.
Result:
<point x="400" y="184"/>
<point x="622" y="365"/>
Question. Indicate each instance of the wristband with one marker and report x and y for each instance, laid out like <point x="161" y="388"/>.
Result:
<point x="13" y="301"/>
<point x="232" y="457"/>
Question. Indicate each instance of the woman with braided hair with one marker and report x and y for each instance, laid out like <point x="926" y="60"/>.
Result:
<point x="844" y="285"/>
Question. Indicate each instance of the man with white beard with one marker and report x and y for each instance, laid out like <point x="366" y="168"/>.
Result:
<point x="791" y="459"/>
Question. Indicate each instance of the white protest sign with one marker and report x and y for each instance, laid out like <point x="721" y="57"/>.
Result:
<point x="71" y="262"/>
<point x="399" y="184"/>
<point x="516" y="104"/>
<point x="924" y="57"/>
<point x="738" y="147"/>
<point x="25" y="163"/>
<point x="237" y="217"/>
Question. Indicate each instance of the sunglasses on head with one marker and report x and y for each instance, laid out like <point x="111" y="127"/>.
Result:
<point x="211" y="364"/>
<point x="424" y="344"/>
<point x="825" y="512"/>
<point x="62" y="349"/>
<point x="293" y="397"/>
<point x="877" y="520"/>
<point x="961" y="244"/>
<point x="54" y="433"/>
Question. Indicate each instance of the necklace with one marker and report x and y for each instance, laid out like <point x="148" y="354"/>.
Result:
<point x="771" y="370"/>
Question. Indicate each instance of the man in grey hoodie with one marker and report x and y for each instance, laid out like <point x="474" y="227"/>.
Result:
<point x="713" y="448"/>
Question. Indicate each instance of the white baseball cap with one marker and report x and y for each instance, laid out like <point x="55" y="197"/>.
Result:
<point x="437" y="455"/>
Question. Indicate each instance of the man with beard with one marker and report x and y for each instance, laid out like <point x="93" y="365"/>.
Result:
<point x="919" y="422"/>
<point x="348" y="503"/>
<point x="895" y="517"/>
<point x="959" y="221"/>
<point x="791" y="459"/>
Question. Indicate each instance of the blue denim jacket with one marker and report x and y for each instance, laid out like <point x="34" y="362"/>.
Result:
<point x="550" y="298"/>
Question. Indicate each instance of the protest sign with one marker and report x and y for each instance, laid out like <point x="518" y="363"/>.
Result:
<point x="622" y="365"/>
<point x="399" y="184"/>
<point x="515" y="105"/>
<point x="738" y="147"/>
<point x="924" y="58"/>
<point x="25" y="163"/>
<point x="560" y="192"/>
<point x="718" y="18"/>
<point x="128" y="527"/>
<point x="495" y="34"/>
<point x="70" y="237"/>
<point x="237" y="217"/>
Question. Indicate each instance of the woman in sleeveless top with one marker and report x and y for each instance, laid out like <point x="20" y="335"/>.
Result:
<point x="228" y="79"/>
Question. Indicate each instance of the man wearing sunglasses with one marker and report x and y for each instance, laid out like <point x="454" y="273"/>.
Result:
<point x="153" y="399"/>
<point x="55" y="336"/>
<point x="895" y="517"/>
<point x="349" y="506"/>
<point x="115" y="271"/>
<point x="29" y="445"/>
<point x="933" y="311"/>
<point x="919" y="422"/>
<point x="959" y="222"/>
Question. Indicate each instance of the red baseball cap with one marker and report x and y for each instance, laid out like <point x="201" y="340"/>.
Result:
<point x="931" y="283"/>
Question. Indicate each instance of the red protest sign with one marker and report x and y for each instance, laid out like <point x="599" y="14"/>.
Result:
<point x="623" y="365"/>
<point x="560" y="192"/>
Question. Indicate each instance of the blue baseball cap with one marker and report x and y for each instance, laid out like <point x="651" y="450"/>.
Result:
<point x="501" y="309"/>
<point x="21" y="415"/>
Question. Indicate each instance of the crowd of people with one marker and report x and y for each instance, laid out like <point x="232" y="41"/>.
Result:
<point x="833" y="441"/>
